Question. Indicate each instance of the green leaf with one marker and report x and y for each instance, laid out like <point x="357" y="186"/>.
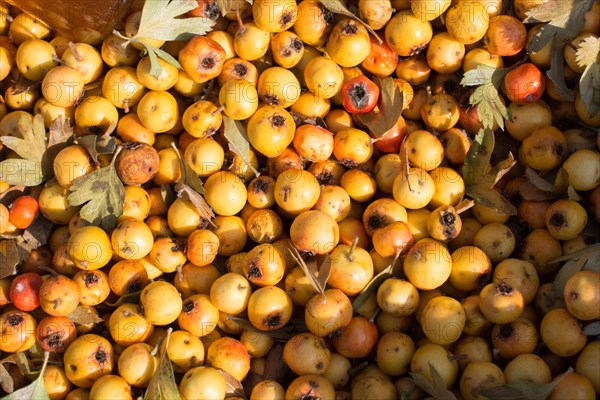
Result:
<point x="102" y="194"/>
<point x="21" y="172"/>
<point x="160" y="20"/>
<point x="374" y="284"/>
<point x="490" y="108"/>
<point x="479" y="156"/>
<point x="436" y="387"/>
<point x="163" y="384"/>
<point x="391" y="102"/>
<point x="490" y="198"/>
<point x="190" y="188"/>
<point x="338" y="7"/>
<point x="238" y="140"/>
<point x="32" y="145"/>
<point x="565" y="17"/>
<point x="589" y="88"/>
<point x="133" y="297"/>
<point x="556" y="73"/>
<point x="99" y="144"/>
<point x="35" y="390"/>
<point x="522" y="391"/>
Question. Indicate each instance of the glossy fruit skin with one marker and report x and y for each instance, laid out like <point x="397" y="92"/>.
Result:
<point x="203" y="382"/>
<point x="185" y="350"/>
<point x="443" y="320"/>
<point x="55" y="334"/>
<point x="428" y="264"/>
<point x="24" y="291"/>
<point x="306" y="353"/>
<point x="269" y="307"/>
<point x="198" y="315"/>
<point x="348" y="44"/>
<point x="310" y="386"/>
<point x="357" y="339"/>
<point x="202" y="58"/>
<point x="17" y="331"/>
<point x="581" y="295"/>
<point x="271" y="130"/>
<point x="506" y="36"/>
<point x="479" y="375"/>
<point x="23" y="211"/>
<point x="88" y="358"/>
<point x="439" y="356"/>
<point x="161" y="303"/>
<point x="406" y="34"/>
<point x="524" y="84"/>
<point x="327" y="313"/>
<point x="360" y="95"/>
<point x="59" y="295"/>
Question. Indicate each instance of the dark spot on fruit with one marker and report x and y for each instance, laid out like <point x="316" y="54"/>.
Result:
<point x="327" y="15"/>
<point x="286" y="18"/>
<point x="359" y="95"/>
<point x="188" y="306"/>
<point x="278" y="120"/>
<point x="506" y="331"/>
<point x="286" y="53"/>
<point x="448" y="218"/>
<point x="97" y="129"/>
<point x="557" y="220"/>
<point x="195" y="117"/>
<point x="272" y="320"/>
<point x="134" y="286"/>
<point x="208" y="63"/>
<point x="376" y="221"/>
<point x="260" y="186"/>
<point x="101" y="356"/>
<point x="504" y="289"/>
<point x="73" y="367"/>
<point x="482" y="279"/>
<point x="254" y="270"/>
<point x="240" y="69"/>
<point x="297" y="44"/>
<point x="53" y="341"/>
<point x="14" y="319"/>
<point x="559" y="150"/>
<point x="271" y="99"/>
<point x="90" y="279"/>
<point x="324" y="177"/>
<point x="319" y="365"/>
<point x="211" y="10"/>
<point x="350" y="28"/>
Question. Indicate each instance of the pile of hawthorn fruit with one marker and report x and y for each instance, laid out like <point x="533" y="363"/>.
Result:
<point x="251" y="220"/>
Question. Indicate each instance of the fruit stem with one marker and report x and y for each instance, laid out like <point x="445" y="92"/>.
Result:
<point x="429" y="95"/>
<point x="76" y="53"/>
<point x="238" y="17"/>
<point x="351" y="252"/>
<point x="570" y="44"/>
<point x="218" y="111"/>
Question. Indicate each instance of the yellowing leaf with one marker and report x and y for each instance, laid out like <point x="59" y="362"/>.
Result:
<point x="338" y="7"/>
<point x="564" y="17"/>
<point x="589" y="88"/>
<point x="522" y="390"/>
<point x="316" y="277"/>
<point x="389" y="109"/>
<point x="21" y="172"/>
<point x="160" y="20"/>
<point x="9" y="258"/>
<point x="163" y="384"/>
<point x="238" y="140"/>
<point x="102" y="194"/>
<point x="436" y="388"/>
<point x="36" y="390"/>
<point x="490" y="198"/>
<point x="33" y="143"/>
<point x="587" y="51"/>
<point x="190" y="188"/>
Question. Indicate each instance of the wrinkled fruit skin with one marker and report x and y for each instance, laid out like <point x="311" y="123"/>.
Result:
<point x="137" y="163"/>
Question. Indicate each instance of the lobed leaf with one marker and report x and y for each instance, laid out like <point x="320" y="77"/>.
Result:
<point x="102" y="194"/>
<point x="588" y="51"/>
<point x="163" y="384"/>
<point x="389" y="109"/>
<point x="338" y="7"/>
<point x="36" y="390"/>
<point x="589" y="88"/>
<point x="522" y="390"/>
<point x="21" y="172"/>
<point x="160" y="20"/>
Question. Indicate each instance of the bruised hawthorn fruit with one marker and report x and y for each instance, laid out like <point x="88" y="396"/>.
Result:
<point x="137" y="163"/>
